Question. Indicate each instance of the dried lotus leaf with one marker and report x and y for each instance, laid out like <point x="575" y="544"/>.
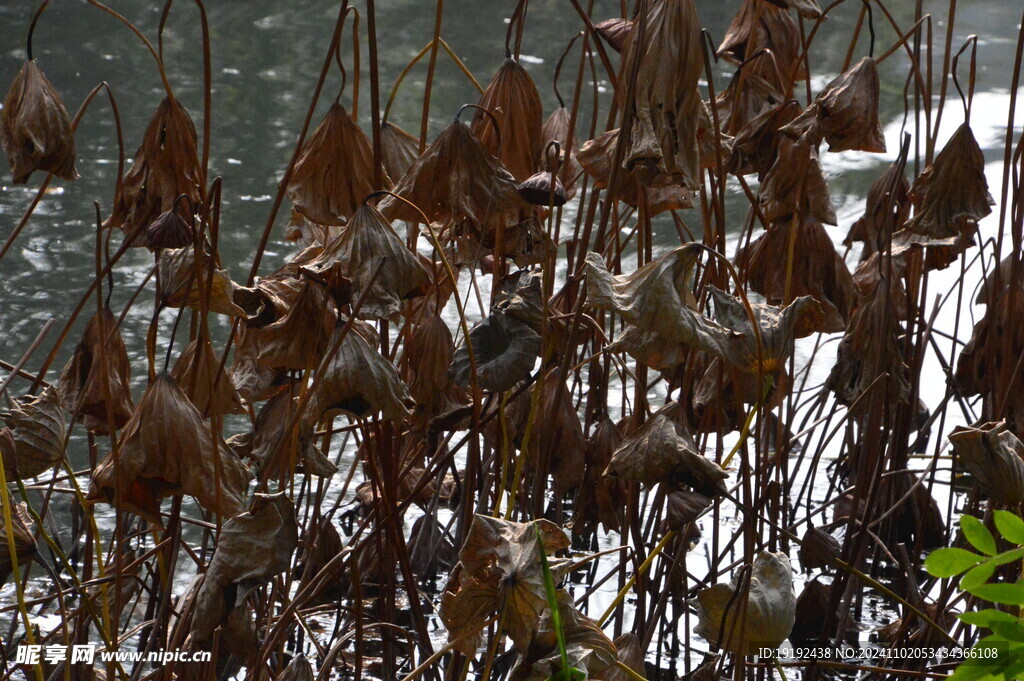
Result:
<point x="560" y="443"/>
<point x="97" y="376"/>
<point x="299" y="669"/>
<point x="334" y="171"/>
<point x="777" y="327"/>
<point x="588" y="648"/>
<point x="274" y="444"/>
<point x="500" y="568"/>
<point x="598" y="499"/>
<point x="819" y="549"/>
<point x="769" y="611"/>
<point x="596" y="157"/>
<point x="868" y="351"/>
<point x="951" y="190"/>
<point x="299" y="339"/>
<point x="615" y="31"/>
<point x="668" y="62"/>
<point x="169" y="230"/>
<point x="398" y="149"/>
<point x="995" y="459"/>
<point x="663" y="451"/>
<point x="179" y="285"/>
<point x="454" y="179"/>
<point x="796" y="184"/>
<point x="629" y="651"/>
<point x="430" y="549"/>
<point x="167" y="448"/>
<point x="252" y="547"/>
<point x="845" y="112"/>
<point x="808" y="9"/>
<point x="24" y="541"/>
<point x="755" y="145"/>
<point x="816" y="270"/>
<point x="166" y="166"/>
<point x="428" y="353"/>
<point x="887" y="208"/>
<point x="359" y="381"/>
<point x="556" y="129"/>
<point x="656" y="298"/>
<point x="649" y="348"/>
<point x="197" y="374"/>
<point x="35" y="128"/>
<point x="252" y="380"/>
<point x="39" y="427"/>
<point x="684" y="507"/>
<point x="504" y="349"/>
<point x="359" y="248"/>
<point x="754" y="90"/>
<point x="543" y="189"/>
<point x="759" y="25"/>
<point x="513" y="100"/>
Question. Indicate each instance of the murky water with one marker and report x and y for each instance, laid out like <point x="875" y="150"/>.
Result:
<point x="266" y="57"/>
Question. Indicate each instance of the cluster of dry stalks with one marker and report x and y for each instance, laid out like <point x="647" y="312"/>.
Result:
<point x="612" y="393"/>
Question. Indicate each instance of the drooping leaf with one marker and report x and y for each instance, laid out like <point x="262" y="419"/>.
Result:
<point x="39" y="429"/>
<point x="253" y="546"/>
<point x="499" y="567"/>
<point x="769" y="608"/>
<point x="167" y="448"/>
<point x="35" y="128"/>
<point x="334" y="170"/>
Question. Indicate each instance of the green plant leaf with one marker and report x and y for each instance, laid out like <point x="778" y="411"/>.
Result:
<point x="977" y="576"/>
<point x="1011" y="631"/>
<point x="1008" y="556"/>
<point x="978" y="535"/>
<point x="1011" y="526"/>
<point x="1009" y="594"/>
<point x="950" y="562"/>
<point x="987" y="617"/>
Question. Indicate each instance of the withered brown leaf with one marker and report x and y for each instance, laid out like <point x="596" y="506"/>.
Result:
<point x="588" y="649"/>
<point x="334" y="170"/>
<point x="662" y="451"/>
<point x="39" y="427"/>
<point x="398" y="149"/>
<point x="794" y="259"/>
<point x="845" y="112"/>
<point x="887" y="208"/>
<point x="97" y="375"/>
<point x="23" y="539"/>
<point x="454" y="179"/>
<point x="666" y="103"/>
<point x="358" y="248"/>
<point x="167" y="448"/>
<point x="196" y="372"/>
<point x="182" y="284"/>
<point x="759" y="25"/>
<point x="499" y="568"/>
<point x="556" y="129"/>
<point x="952" y="190"/>
<point x="995" y="459"/>
<point x="35" y="128"/>
<point x="796" y="184"/>
<point x="253" y="546"/>
<point x="166" y="166"/>
<point x="769" y="612"/>
<point x="513" y="100"/>
<point x="359" y="380"/>
<point x="869" y="350"/>
<point x="504" y="349"/>
<point x="597" y="155"/>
